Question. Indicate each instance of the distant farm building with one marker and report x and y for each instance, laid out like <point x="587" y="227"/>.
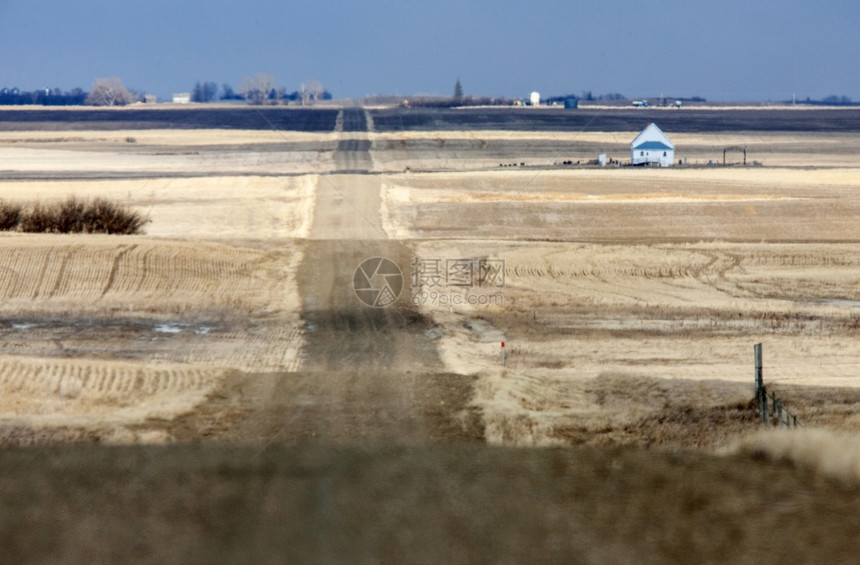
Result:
<point x="652" y="146"/>
<point x="182" y="98"/>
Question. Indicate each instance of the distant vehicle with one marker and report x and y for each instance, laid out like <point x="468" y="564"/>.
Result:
<point x="641" y="104"/>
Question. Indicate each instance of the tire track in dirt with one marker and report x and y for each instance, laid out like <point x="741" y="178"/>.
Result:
<point x="117" y="259"/>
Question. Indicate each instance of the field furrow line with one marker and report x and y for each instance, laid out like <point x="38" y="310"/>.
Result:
<point x="41" y="276"/>
<point x="115" y="266"/>
<point x="126" y="271"/>
<point x="165" y="276"/>
<point x="79" y="270"/>
<point x="9" y="281"/>
<point x="144" y="266"/>
<point x="84" y="392"/>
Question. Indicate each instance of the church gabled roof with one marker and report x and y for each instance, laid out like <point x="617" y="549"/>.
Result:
<point x="652" y="137"/>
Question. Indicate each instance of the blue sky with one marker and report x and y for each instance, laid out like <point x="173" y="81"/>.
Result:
<point x="721" y="50"/>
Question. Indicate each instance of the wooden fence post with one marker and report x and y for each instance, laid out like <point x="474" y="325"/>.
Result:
<point x="779" y="413"/>
<point x="773" y="405"/>
<point x="759" y="382"/>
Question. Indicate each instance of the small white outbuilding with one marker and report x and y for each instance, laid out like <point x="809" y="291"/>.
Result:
<point x="652" y="146"/>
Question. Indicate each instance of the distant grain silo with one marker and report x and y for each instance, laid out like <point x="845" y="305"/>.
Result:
<point x="535" y="98"/>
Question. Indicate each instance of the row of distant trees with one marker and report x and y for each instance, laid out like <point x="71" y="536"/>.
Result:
<point x="105" y="92"/>
<point x="44" y="96"/>
<point x="259" y="89"/>
<point x="461" y="99"/>
<point x="832" y="100"/>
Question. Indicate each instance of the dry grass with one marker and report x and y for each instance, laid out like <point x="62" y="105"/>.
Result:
<point x="162" y="154"/>
<point x="629" y="321"/>
<point x="835" y="455"/>
<point x="613" y="410"/>
<point x="300" y="504"/>
<point x="160" y="137"/>
<point x="83" y="274"/>
<point x="573" y="312"/>
<point x="250" y="207"/>
<point x="458" y="150"/>
<point x="89" y="393"/>
<point x="714" y="181"/>
<point x="578" y="317"/>
<point x="627" y="206"/>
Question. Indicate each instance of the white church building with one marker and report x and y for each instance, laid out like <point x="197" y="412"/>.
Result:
<point x="652" y="146"/>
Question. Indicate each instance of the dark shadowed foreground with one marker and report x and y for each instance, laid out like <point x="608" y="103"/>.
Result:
<point x="461" y="504"/>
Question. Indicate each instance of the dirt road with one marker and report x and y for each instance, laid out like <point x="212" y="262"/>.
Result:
<point x="367" y="374"/>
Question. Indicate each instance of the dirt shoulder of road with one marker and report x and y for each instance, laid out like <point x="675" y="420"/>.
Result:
<point x="451" y="504"/>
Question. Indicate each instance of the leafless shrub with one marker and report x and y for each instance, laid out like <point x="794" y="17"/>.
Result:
<point x="10" y="215"/>
<point x="105" y="216"/>
<point x="70" y="216"/>
<point x="37" y="219"/>
<point x="74" y="215"/>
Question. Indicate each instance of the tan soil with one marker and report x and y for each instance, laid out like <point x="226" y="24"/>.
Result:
<point x="631" y="302"/>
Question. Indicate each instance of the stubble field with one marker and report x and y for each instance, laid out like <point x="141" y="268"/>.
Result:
<point x="629" y="303"/>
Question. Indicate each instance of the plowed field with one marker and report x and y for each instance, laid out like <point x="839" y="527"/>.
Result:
<point x="628" y="301"/>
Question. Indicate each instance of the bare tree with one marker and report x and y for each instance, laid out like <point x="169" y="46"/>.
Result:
<point x="109" y="92"/>
<point x="227" y="93"/>
<point x="311" y="91"/>
<point x="204" y="92"/>
<point x="256" y="90"/>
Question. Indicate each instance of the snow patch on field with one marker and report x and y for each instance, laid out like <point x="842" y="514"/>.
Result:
<point x="394" y="200"/>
